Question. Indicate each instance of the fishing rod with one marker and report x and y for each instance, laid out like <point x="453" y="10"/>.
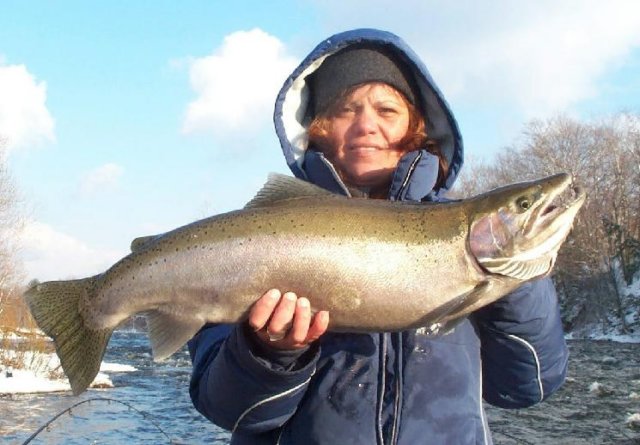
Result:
<point x="99" y="399"/>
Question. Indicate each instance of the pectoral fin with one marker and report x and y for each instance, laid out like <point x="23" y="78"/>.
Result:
<point x="446" y="315"/>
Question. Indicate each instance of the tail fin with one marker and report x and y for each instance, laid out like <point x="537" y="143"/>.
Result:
<point x="55" y="305"/>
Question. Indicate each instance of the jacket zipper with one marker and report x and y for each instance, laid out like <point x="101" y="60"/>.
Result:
<point x="383" y="373"/>
<point x="399" y="355"/>
<point x="398" y="396"/>
<point x="405" y="183"/>
<point x="393" y="440"/>
<point x="335" y="175"/>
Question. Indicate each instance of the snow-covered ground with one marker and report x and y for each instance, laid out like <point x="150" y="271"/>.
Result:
<point x="41" y="373"/>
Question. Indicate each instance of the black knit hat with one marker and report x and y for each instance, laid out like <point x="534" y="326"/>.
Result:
<point x="356" y="64"/>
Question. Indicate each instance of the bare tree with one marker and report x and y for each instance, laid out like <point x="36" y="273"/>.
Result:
<point x="10" y="226"/>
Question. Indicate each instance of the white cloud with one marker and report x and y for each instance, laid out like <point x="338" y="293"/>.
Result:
<point x="24" y="118"/>
<point x="551" y="57"/>
<point x="540" y="57"/>
<point x="105" y="177"/>
<point x="237" y="84"/>
<point x="52" y="255"/>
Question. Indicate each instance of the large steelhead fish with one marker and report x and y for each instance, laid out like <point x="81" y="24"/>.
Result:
<point x="375" y="265"/>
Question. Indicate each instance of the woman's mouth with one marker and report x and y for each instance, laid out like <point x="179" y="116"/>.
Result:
<point x="365" y="149"/>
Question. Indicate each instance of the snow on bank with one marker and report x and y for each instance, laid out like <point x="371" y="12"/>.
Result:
<point x="633" y="421"/>
<point x="45" y="376"/>
<point x="615" y="337"/>
<point x="614" y="329"/>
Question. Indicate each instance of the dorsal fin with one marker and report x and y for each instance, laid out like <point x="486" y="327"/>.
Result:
<point x="139" y="242"/>
<point x="282" y="187"/>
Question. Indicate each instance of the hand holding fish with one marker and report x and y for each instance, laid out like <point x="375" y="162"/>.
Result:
<point x="285" y="321"/>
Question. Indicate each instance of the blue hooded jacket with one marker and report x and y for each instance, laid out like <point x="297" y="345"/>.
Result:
<point x="407" y="388"/>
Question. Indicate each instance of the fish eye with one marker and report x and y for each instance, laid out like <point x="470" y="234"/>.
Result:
<point x="523" y="203"/>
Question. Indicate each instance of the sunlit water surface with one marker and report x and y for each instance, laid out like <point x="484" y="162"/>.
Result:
<point x="152" y="405"/>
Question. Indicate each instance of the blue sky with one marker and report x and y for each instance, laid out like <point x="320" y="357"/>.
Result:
<point x="123" y="119"/>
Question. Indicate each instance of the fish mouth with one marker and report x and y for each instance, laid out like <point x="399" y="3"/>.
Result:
<point x="562" y="203"/>
<point x="551" y="225"/>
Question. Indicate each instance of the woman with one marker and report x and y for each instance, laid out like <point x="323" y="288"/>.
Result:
<point x="361" y="116"/>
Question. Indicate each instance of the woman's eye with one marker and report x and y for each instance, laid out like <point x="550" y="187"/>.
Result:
<point x="346" y="110"/>
<point x="387" y="110"/>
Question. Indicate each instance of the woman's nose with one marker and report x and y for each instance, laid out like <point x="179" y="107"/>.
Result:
<point x="366" y="120"/>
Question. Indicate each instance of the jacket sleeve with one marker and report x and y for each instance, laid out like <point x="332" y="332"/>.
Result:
<point x="242" y="387"/>
<point x="524" y="354"/>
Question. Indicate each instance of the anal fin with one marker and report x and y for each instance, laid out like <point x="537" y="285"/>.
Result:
<point x="169" y="332"/>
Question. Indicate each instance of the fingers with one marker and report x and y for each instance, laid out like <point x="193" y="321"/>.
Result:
<point x="319" y="326"/>
<point x="301" y="321"/>
<point x="283" y="316"/>
<point x="307" y="327"/>
<point x="286" y="321"/>
<point x="263" y="308"/>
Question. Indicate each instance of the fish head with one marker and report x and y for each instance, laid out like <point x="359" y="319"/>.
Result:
<point x="517" y="230"/>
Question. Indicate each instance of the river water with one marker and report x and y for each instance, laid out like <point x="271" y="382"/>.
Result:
<point x="152" y="405"/>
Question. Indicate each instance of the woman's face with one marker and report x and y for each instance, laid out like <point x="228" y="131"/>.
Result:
<point x="364" y="132"/>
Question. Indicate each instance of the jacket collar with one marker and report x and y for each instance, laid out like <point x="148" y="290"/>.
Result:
<point x="413" y="180"/>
